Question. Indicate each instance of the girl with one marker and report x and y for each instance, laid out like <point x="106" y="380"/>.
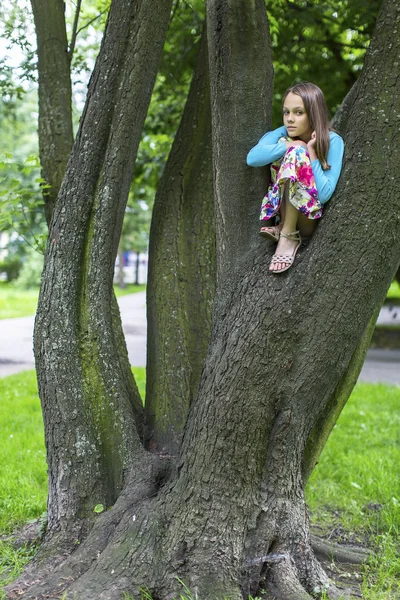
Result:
<point x="306" y="158"/>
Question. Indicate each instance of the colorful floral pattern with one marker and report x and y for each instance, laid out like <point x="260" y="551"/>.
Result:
<point x="295" y="167"/>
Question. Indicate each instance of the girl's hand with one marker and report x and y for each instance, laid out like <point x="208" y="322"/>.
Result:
<point x="312" y="142"/>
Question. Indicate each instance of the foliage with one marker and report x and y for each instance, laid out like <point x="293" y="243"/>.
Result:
<point x="319" y="41"/>
<point x="31" y="271"/>
<point x="16" y="27"/>
<point x="11" y="266"/>
<point x="21" y="201"/>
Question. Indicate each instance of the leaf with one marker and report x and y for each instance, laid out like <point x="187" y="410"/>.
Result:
<point x="99" y="508"/>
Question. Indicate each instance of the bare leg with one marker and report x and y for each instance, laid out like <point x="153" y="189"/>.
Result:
<point x="292" y="220"/>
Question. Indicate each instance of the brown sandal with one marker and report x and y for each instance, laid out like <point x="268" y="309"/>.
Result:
<point x="287" y="259"/>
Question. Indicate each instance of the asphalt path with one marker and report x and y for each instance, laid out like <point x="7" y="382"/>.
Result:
<point x="16" y="352"/>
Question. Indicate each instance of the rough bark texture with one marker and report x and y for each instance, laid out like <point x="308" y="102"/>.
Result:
<point x="181" y="279"/>
<point x="231" y="512"/>
<point x="55" y="107"/>
<point x="91" y="406"/>
<point x="241" y="91"/>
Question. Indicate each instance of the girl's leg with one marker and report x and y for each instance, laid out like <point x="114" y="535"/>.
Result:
<point x="292" y="220"/>
<point x="305" y="225"/>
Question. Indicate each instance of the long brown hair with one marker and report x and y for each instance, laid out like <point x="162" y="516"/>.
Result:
<point x="317" y="112"/>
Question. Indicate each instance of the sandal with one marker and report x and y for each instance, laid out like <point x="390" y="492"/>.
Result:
<point x="271" y="233"/>
<point x="287" y="259"/>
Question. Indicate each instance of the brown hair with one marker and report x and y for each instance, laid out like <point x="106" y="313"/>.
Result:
<point x="317" y="112"/>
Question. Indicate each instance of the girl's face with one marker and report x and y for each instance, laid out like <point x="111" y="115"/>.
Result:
<point x="295" y="118"/>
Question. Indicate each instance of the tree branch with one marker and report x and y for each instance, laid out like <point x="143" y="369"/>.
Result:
<point x="74" y="30"/>
<point x="103" y="12"/>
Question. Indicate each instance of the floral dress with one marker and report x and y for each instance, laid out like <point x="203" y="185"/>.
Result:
<point x="295" y="167"/>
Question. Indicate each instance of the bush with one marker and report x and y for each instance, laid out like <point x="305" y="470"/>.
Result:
<point x="31" y="272"/>
<point x="11" y="266"/>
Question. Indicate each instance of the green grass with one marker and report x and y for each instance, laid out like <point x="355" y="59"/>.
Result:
<point x="16" y="302"/>
<point x="394" y="290"/>
<point x="129" y="289"/>
<point x="358" y="467"/>
<point x="356" y="485"/>
<point x="23" y="480"/>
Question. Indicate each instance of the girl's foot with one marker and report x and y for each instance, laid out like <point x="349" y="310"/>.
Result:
<point x="286" y="251"/>
<point x="271" y="232"/>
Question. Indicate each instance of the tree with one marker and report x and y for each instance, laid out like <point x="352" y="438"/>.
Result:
<point x="227" y="510"/>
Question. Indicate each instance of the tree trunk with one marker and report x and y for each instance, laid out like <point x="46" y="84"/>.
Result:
<point x="120" y="271"/>
<point x="84" y="377"/>
<point x="181" y="279"/>
<point x="241" y="93"/>
<point x="231" y="511"/>
<point x="55" y="105"/>
<point x="137" y="266"/>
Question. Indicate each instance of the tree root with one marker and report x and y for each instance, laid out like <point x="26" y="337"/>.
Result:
<point x="43" y="578"/>
<point x="282" y="579"/>
<point x="341" y="554"/>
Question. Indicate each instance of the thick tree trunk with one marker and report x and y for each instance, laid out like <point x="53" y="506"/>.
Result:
<point x="241" y="77"/>
<point x="181" y="279"/>
<point x="232" y="510"/>
<point x="91" y="406"/>
<point x="55" y="105"/>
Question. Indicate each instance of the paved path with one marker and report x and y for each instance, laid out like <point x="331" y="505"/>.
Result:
<point x="16" y="342"/>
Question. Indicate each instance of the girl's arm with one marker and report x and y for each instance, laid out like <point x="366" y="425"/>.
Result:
<point x="268" y="149"/>
<point x="326" y="180"/>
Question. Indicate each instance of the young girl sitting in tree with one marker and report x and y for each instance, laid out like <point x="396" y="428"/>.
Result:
<point x="306" y="159"/>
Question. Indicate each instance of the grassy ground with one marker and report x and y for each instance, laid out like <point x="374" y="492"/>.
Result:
<point x="394" y="290"/>
<point x="354" y="493"/>
<point x="15" y="302"/>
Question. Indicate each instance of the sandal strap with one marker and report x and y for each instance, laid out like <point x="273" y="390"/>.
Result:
<point x="293" y="235"/>
<point x="282" y="258"/>
<point x="271" y="228"/>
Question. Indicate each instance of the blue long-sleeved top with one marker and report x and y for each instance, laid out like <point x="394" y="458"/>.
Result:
<point x="270" y="149"/>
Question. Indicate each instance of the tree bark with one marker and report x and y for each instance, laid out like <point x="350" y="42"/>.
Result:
<point x="91" y="406"/>
<point x="55" y="97"/>
<point x="231" y="511"/>
<point x="241" y="77"/>
<point x="181" y="279"/>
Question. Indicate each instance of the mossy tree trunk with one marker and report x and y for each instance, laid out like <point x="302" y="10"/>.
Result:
<point x="91" y="406"/>
<point x="55" y="103"/>
<point x="181" y="280"/>
<point x="283" y="355"/>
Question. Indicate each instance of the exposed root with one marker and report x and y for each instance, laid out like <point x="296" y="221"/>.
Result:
<point x="282" y="580"/>
<point x="51" y="577"/>
<point x="340" y="554"/>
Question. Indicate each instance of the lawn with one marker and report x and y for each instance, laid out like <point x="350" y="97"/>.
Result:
<point x="354" y="490"/>
<point x="15" y="302"/>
